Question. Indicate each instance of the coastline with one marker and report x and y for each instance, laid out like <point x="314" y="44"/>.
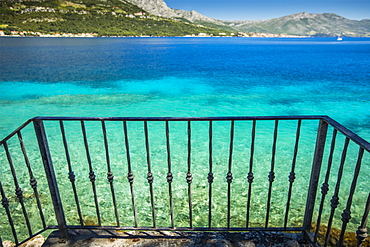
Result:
<point x="92" y="35"/>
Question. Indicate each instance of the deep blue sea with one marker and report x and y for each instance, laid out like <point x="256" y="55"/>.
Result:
<point x="186" y="77"/>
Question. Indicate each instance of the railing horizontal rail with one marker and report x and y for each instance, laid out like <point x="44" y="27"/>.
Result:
<point x="218" y="229"/>
<point x="181" y="118"/>
<point x="335" y="124"/>
<point x="357" y="139"/>
<point x="16" y="131"/>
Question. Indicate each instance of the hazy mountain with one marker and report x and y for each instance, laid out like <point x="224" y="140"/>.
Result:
<point x="299" y="24"/>
<point x="306" y="24"/>
<point x="160" y="8"/>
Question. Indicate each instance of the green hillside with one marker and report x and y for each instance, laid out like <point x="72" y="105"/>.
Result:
<point x="102" y="18"/>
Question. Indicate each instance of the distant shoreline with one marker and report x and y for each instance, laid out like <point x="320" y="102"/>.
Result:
<point x="200" y="35"/>
<point x="92" y="35"/>
<point x="186" y="36"/>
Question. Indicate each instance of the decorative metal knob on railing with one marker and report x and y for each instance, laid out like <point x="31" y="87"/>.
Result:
<point x="130" y="177"/>
<point x="19" y="192"/>
<point x="250" y="177"/>
<point x="361" y="235"/>
<point x="92" y="176"/>
<point x="271" y="176"/>
<point x="229" y="177"/>
<point x="334" y="202"/>
<point x="150" y="178"/>
<point x="110" y="177"/>
<point x="33" y="183"/>
<point x="5" y="202"/>
<point x="210" y="177"/>
<point x="71" y="176"/>
<point x="346" y="216"/>
<point x="169" y="177"/>
<point x="324" y="188"/>
<point x="189" y="178"/>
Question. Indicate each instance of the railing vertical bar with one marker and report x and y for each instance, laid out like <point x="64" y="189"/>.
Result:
<point x="50" y="175"/>
<point x="325" y="185"/>
<point x="169" y="174"/>
<point x="271" y="174"/>
<point x="362" y="230"/>
<point x="150" y="174"/>
<point x="210" y="173"/>
<point x="335" y="199"/>
<point x="346" y="215"/>
<point x="315" y="174"/>
<point x="33" y="181"/>
<point x="92" y="176"/>
<point x="5" y="203"/>
<point x="229" y="176"/>
<point x="130" y="175"/>
<point x="292" y="172"/>
<point x="110" y="175"/>
<point x="71" y="174"/>
<point x="18" y="190"/>
<point x="250" y="174"/>
<point x="189" y="177"/>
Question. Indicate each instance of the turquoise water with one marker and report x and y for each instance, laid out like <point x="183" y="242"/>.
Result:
<point x="185" y="77"/>
<point x="196" y="77"/>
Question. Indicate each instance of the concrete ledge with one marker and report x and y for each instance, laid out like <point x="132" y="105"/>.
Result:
<point x="165" y="238"/>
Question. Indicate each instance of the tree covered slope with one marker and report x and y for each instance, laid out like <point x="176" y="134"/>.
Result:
<point x="101" y="17"/>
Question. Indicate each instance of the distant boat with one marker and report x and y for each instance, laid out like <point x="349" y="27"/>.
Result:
<point x="339" y="38"/>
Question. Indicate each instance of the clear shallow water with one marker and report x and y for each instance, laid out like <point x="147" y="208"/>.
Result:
<point x="187" y="77"/>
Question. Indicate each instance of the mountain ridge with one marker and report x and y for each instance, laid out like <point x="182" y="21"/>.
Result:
<point x="319" y="24"/>
<point x="160" y="8"/>
<point x="155" y="18"/>
<point x="303" y="23"/>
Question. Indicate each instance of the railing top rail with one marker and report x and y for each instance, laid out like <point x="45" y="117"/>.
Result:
<point x="360" y="141"/>
<point x="58" y="118"/>
<point x="181" y="118"/>
<point x="348" y="133"/>
<point x="15" y="131"/>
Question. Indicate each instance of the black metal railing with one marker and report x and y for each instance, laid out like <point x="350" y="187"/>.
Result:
<point x="185" y="174"/>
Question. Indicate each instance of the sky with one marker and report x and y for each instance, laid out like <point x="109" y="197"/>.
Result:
<point x="268" y="9"/>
